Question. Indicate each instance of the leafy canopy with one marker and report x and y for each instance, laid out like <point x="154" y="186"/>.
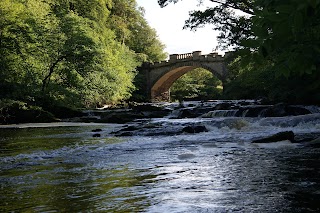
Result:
<point x="70" y="52"/>
<point x="196" y="84"/>
<point x="275" y="40"/>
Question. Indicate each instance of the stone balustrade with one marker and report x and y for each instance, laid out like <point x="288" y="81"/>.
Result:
<point x="184" y="56"/>
<point x="196" y="55"/>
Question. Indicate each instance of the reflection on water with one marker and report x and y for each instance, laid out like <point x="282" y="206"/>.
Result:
<point x="65" y="169"/>
<point x="70" y="189"/>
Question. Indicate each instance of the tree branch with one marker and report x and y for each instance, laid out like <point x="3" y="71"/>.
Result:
<point x="248" y="11"/>
<point x="46" y="80"/>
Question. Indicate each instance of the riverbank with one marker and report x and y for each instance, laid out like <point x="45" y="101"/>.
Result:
<point x="49" y="125"/>
<point x="15" y="112"/>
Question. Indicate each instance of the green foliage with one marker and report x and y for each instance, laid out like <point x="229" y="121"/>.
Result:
<point x="132" y="29"/>
<point x="252" y="77"/>
<point x="288" y="33"/>
<point x="66" y="52"/>
<point x="12" y="111"/>
<point x="196" y="84"/>
<point x="278" y="43"/>
<point x="248" y="79"/>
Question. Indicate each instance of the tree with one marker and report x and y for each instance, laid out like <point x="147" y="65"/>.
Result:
<point x="19" y="47"/>
<point x="63" y="51"/>
<point x="287" y="30"/>
<point x="196" y="84"/>
<point x="127" y="20"/>
<point x="288" y="33"/>
<point x="73" y="52"/>
<point x="280" y="38"/>
<point x="93" y="66"/>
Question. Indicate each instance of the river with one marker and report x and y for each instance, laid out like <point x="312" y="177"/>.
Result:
<point x="61" y="167"/>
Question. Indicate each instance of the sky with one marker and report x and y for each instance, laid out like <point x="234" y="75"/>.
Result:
<point x="169" y="21"/>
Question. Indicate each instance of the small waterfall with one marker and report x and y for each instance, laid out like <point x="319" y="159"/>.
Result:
<point x="91" y="115"/>
<point x="174" y="114"/>
<point x="262" y="113"/>
<point x="244" y="113"/>
<point x="220" y="113"/>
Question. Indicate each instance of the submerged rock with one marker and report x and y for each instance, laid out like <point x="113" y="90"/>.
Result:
<point x="124" y="134"/>
<point x="186" y="156"/>
<point x="223" y="106"/>
<point x="96" y="130"/>
<point x="281" y="136"/>
<point x="192" y="112"/>
<point x="194" y="129"/>
<point x="120" y="117"/>
<point x="151" y="110"/>
<point x="126" y="131"/>
<point x="147" y="107"/>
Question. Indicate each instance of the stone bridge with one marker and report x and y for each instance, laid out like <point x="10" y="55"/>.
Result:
<point x="160" y="76"/>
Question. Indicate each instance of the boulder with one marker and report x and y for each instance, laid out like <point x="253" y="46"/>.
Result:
<point x="96" y="130"/>
<point x="252" y="111"/>
<point x="280" y="136"/>
<point x="156" y="114"/>
<point x="194" y="129"/>
<point x="124" y="134"/>
<point x="151" y="110"/>
<point x="281" y="110"/>
<point x="193" y="112"/>
<point x="278" y="110"/>
<point x="147" y="107"/>
<point x="223" y="106"/>
<point x="187" y="113"/>
<point x="120" y="117"/>
<point x="97" y="135"/>
<point x="152" y="130"/>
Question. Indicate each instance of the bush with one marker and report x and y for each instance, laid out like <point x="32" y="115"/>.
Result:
<point x="12" y="111"/>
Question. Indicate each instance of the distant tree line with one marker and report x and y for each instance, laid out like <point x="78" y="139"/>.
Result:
<point x="75" y="53"/>
<point x="276" y="46"/>
<point x="198" y="84"/>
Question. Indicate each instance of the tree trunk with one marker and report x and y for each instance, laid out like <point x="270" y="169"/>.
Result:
<point x="46" y="80"/>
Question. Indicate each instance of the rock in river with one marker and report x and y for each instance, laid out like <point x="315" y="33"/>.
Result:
<point x="280" y="136"/>
<point x="194" y="129"/>
<point x="120" y="117"/>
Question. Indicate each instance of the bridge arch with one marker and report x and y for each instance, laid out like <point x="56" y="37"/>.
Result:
<point x="160" y="76"/>
<point x="160" y="87"/>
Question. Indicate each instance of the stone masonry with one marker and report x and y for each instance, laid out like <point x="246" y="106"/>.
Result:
<point x="160" y="76"/>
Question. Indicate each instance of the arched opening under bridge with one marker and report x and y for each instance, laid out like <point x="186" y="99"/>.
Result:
<point x="160" y="76"/>
<point x="160" y="91"/>
<point x="197" y="84"/>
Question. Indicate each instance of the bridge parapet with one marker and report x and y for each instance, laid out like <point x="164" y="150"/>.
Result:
<point x="194" y="56"/>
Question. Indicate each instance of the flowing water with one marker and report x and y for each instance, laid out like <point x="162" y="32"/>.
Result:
<point x="63" y="168"/>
